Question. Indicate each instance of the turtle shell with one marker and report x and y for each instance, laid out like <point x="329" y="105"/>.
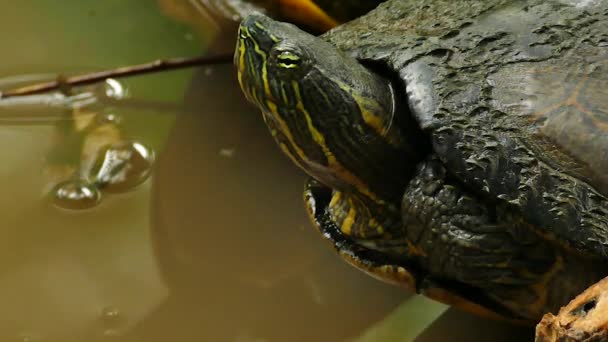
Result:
<point x="514" y="96"/>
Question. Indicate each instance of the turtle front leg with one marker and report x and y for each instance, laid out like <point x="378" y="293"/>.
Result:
<point x="378" y="264"/>
<point x="466" y="238"/>
<point x="376" y="256"/>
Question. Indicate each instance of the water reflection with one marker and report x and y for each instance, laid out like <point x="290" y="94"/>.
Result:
<point x="236" y="249"/>
<point x="90" y="154"/>
<point x="59" y="269"/>
<point x="237" y="256"/>
<point x="233" y="239"/>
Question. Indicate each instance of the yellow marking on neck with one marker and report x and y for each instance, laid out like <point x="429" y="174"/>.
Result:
<point x="241" y="68"/>
<point x="272" y="107"/>
<point x="331" y="159"/>
<point x="368" y="107"/>
<point x="254" y="95"/>
<point x="349" y="220"/>
<point x="374" y="224"/>
<point x="287" y="152"/>
<point x="285" y="129"/>
<point x="335" y="199"/>
<point x="337" y="204"/>
<point x="284" y="94"/>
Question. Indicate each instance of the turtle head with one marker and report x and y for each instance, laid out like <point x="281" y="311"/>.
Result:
<point x="331" y="115"/>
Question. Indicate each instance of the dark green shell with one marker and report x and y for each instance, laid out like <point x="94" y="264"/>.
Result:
<point x="514" y="95"/>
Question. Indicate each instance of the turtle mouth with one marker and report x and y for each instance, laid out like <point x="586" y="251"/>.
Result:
<point x="251" y="59"/>
<point x="246" y="63"/>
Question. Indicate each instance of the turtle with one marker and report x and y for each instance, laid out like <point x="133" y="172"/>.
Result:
<point x="456" y="148"/>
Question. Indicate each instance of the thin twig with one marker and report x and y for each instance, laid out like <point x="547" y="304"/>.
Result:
<point x="133" y="70"/>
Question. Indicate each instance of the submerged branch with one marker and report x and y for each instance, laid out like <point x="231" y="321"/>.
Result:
<point x="133" y="70"/>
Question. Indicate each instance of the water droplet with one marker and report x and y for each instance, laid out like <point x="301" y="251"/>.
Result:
<point x="123" y="166"/>
<point x="76" y="194"/>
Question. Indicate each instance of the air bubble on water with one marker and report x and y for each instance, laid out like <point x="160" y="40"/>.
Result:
<point x="114" y="89"/>
<point x="110" y="314"/>
<point x="108" y="118"/>
<point x="111" y="320"/>
<point x="123" y="166"/>
<point x="227" y="152"/>
<point x="76" y="194"/>
<point x="208" y="71"/>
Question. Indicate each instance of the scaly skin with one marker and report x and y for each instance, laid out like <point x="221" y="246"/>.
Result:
<point x="490" y="247"/>
<point x="482" y="209"/>
<point x="513" y="94"/>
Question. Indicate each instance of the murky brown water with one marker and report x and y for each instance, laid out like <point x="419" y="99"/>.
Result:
<point x="213" y="246"/>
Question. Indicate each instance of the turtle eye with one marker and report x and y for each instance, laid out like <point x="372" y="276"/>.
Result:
<point x="288" y="60"/>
